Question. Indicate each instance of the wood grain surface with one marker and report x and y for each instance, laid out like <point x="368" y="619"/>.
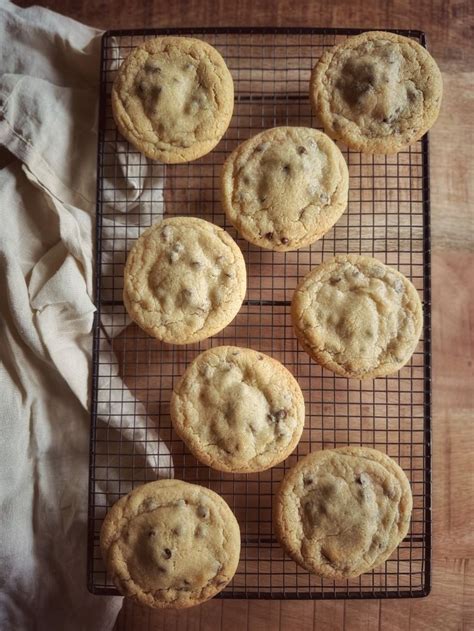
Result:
<point x="449" y="27"/>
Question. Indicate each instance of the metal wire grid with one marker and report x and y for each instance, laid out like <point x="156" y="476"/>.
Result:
<point x="387" y="217"/>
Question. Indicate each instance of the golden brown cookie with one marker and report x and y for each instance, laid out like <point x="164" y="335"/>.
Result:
<point x="173" y="98"/>
<point x="184" y="280"/>
<point x="238" y="410"/>
<point x="170" y="544"/>
<point x="285" y="187"/>
<point x="341" y="512"/>
<point x="378" y="92"/>
<point x="357" y="317"/>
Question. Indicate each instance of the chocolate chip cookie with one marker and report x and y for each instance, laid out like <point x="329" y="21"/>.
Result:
<point x="357" y="316"/>
<point x="173" y="98"/>
<point x="170" y="544"/>
<point x="341" y="512"/>
<point x="285" y="187"/>
<point x="238" y="410"/>
<point x="378" y="92"/>
<point x="185" y="280"/>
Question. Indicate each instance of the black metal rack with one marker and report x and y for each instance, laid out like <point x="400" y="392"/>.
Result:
<point x="133" y="374"/>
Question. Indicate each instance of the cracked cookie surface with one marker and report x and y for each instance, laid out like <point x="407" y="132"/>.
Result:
<point x="238" y="410"/>
<point x="285" y="187"/>
<point x="170" y="544"/>
<point x="184" y="280"/>
<point x="341" y="512"/>
<point x="173" y="98"/>
<point x="357" y="317"/>
<point x="378" y="92"/>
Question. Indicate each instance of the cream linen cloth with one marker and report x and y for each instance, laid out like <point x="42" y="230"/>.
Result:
<point x="48" y="110"/>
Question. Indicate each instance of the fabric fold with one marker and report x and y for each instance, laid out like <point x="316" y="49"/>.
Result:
<point x="49" y="72"/>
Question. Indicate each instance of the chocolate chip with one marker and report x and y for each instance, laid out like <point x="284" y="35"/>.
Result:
<point x="363" y="479"/>
<point x="152" y="533"/>
<point x="199" y="532"/>
<point x="167" y="553"/>
<point x="364" y="86"/>
<point x="285" y="240"/>
<point x="312" y="512"/>
<point x="202" y="511"/>
<point x="307" y="481"/>
<point x="411" y="94"/>
<point x="302" y="150"/>
<point x="191" y="107"/>
<point x="166" y="233"/>
<point x="394" y="116"/>
<point x="282" y="431"/>
<point x="390" y="492"/>
<point x="324" y="198"/>
<point x="377" y="271"/>
<point x="334" y="280"/>
<point x="149" y="505"/>
<point x="152" y="65"/>
<point x="276" y="417"/>
<point x="398" y="286"/>
<point x="246" y="180"/>
<point x="175" y="252"/>
<point x="269" y="236"/>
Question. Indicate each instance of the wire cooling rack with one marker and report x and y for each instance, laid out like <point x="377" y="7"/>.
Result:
<point x="133" y="374"/>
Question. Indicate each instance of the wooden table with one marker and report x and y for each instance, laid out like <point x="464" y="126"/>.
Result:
<point x="448" y="25"/>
